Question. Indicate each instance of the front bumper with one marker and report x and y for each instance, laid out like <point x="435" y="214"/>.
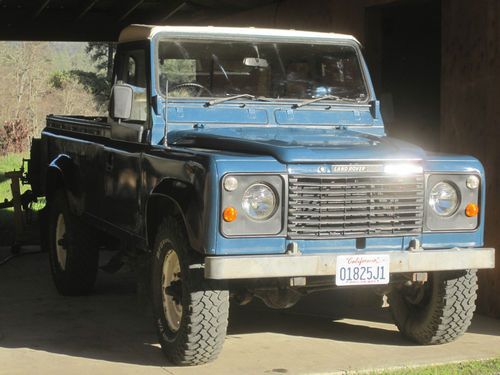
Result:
<point x="260" y="266"/>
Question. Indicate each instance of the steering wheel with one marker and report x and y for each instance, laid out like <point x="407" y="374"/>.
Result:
<point x="191" y="86"/>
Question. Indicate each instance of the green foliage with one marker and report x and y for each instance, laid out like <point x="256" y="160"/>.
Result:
<point x="69" y="56"/>
<point x="94" y="83"/>
<point x="178" y="70"/>
<point x="102" y="55"/>
<point x="59" y="79"/>
<point x="97" y="84"/>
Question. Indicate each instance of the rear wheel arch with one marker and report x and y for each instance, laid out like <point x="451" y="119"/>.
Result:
<point x="54" y="180"/>
<point x="62" y="174"/>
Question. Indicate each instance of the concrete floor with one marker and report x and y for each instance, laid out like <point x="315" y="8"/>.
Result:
<point x="111" y="331"/>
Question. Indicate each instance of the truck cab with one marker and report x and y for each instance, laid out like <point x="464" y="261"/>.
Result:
<point x="249" y="162"/>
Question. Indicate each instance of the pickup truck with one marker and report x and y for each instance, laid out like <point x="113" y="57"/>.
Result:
<point x="247" y="162"/>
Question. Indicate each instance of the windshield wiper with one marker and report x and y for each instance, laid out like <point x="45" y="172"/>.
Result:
<point x="229" y="98"/>
<point x="222" y="100"/>
<point x="324" y="97"/>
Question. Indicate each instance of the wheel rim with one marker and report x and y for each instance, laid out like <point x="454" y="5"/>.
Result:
<point x="172" y="290"/>
<point x="61" y="251"/>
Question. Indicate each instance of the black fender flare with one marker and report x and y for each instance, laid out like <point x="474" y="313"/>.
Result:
<point x="63" y="173"/>
<point x="172" y="196"/>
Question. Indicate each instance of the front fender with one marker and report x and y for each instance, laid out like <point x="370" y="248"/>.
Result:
<point x="170" y="197"/>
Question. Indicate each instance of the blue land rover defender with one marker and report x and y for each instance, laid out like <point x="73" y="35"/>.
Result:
<point x="245" y="162"/>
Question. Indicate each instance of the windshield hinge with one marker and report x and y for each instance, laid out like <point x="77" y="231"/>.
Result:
<point x="251" y="113"/>
<point x="179" y="112"/>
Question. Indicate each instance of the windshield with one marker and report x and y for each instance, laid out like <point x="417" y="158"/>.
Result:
<point x="191" y="68"/>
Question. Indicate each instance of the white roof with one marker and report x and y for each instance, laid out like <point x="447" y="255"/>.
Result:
<point x="143" y="32"/>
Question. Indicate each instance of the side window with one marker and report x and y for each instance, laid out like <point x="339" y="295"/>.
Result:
<point x="133" y="72"/>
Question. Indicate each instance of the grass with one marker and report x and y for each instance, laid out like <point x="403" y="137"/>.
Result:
<point x="486" y="367"/>
<point x="8" y="163"/>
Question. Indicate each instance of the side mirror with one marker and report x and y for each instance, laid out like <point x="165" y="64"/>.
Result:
<point x="122" y="98"/>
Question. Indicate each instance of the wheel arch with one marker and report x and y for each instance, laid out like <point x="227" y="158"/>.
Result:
<point x="175" y="198"/>
<point x="62" y="173"/>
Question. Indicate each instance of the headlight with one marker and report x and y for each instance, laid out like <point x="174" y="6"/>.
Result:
<point x="444" y="199"/>
<point x="259" y="202"/>
<point x="251" y="205"/>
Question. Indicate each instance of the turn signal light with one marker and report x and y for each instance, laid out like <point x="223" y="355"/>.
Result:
<point x="471" y="210"/>
<point x="230" y="214"/>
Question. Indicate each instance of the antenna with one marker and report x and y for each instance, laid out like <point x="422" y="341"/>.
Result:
<point x="165" y="116"/>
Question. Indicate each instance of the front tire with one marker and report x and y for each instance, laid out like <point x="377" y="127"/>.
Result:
<point x="73" y="251"/>
<point x="437" y="312"/>
<point x="191" y="313"/>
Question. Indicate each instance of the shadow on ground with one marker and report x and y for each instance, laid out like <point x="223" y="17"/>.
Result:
<point x="114" y="324"/>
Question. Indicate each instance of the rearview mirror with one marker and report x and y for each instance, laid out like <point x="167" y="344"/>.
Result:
<point x="122" y="99"/>
<point x="255" y="62"/>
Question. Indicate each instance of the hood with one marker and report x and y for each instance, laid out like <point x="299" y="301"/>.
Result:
<point x="298" y="145"/>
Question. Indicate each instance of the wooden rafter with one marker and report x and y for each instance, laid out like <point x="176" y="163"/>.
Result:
<point x="39" y="8"/>
<point x="125" y="9"/>
<point x="85" y="7"/>
<point x="173" y="9"/>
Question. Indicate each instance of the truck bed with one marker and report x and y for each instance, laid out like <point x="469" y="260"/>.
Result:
<point x="94" y="125"/>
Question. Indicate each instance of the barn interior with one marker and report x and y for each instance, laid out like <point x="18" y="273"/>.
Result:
<point x="435" y="63"/>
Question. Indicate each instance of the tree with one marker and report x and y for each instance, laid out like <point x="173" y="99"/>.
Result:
<point x="25" y="72"/>
<point x="98" y="82"/>
<point x="102" y="54"/>
<point x="31" y="87"/>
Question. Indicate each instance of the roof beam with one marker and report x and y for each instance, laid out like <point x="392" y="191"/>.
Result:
<point x="172" y="10"/>
<point x="39" y="8"/>
<point x="85" y="7"/>
<point x="127" y="8"/>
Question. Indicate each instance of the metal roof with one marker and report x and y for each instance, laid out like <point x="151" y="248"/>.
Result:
<point x="142" y="32"/>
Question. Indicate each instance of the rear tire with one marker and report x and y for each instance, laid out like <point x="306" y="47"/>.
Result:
<point x="437" y="312"/>
<point x="73" y="251"/>
<point x="191" y="313"/>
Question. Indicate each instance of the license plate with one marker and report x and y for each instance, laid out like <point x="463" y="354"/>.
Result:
<point x="363" y="269"/>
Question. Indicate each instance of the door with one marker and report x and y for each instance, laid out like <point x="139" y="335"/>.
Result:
<point x="122" y="177"/>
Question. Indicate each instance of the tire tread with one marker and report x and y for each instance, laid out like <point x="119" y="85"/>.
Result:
<point x="206" y="324"/>
<point x="448" y="317"/>
<point x="83" y="254"/>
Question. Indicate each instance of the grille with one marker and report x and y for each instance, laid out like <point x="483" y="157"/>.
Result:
<point x="325" y="207"/>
